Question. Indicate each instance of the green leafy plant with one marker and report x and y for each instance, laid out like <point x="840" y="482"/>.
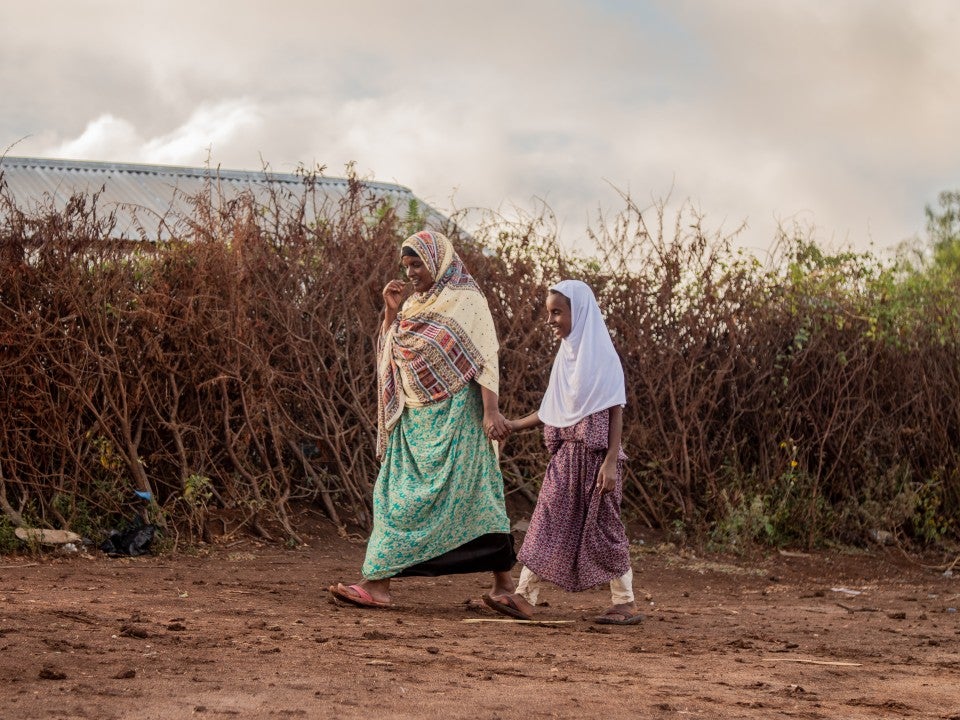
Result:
<point x="9" y="542"/>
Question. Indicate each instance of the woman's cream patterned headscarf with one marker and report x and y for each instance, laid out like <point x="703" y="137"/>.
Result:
<point x="441" y="340"/>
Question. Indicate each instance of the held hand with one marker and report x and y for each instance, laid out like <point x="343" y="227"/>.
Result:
<point x="607" y="477"/>
<point x="495" y="426"/>
<point x="393" y="295"/>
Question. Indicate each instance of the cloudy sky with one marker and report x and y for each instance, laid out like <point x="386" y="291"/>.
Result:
<point x="839" y="115"/>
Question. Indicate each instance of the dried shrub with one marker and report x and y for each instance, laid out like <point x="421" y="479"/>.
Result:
<point x="229" y="370"/>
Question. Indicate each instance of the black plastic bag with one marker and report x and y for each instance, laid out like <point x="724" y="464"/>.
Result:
<point x="132" y="541"/>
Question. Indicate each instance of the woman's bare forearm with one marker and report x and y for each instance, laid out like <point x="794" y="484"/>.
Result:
<point x="491" y="401"/>
<point x="388" y="318"/>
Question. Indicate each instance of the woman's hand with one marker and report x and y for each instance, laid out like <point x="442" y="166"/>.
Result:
<point x="393" y="293"/>
<point x="495" y="425"/>
<point x="607" y="477"/>
<point x="393" y="296"/>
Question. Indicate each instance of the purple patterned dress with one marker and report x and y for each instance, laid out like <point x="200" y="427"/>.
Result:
<point x="576" y="539"/>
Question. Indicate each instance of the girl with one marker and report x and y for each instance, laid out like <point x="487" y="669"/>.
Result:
<point x="576" y="539"/>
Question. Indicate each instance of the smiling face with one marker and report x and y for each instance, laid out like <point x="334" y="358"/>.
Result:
<point x="559" y="315"/>
<point x="417" y="272"/>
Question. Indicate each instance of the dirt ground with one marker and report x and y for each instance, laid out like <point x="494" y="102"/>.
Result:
<point x="243" y="629"/>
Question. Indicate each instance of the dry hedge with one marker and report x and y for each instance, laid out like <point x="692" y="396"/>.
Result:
<point x="230" y="372"/>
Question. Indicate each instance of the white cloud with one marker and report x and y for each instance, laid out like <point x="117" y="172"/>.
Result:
<point x="103" y="137"/>
<point x="111" y="138"/>
<point x="205" y="130"/>
<point x="839" y="113"/>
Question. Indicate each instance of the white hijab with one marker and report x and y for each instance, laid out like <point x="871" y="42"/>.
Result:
<point x="587" y="376"/>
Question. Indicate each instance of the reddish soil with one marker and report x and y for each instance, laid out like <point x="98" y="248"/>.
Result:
<point x="247" y="630"/>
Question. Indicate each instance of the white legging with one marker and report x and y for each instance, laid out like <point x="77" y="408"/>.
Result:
<point x="621" y="588"/>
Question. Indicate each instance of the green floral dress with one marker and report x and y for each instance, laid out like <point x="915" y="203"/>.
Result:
<point x="439" y="487"/>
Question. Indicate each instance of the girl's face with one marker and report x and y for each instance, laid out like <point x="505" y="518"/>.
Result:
<point x="559" y="317"/>
<point x="417" y="273"/>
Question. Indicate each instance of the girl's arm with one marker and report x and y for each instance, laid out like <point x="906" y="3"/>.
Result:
<point x="525" y="423"/>
<point x="607" y="477"/>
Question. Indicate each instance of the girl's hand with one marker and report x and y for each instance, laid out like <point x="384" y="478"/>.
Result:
<point x="393" y="293"/>
<point x="607" y="477"/>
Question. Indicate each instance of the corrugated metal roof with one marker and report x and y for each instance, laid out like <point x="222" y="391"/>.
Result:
<point x="148" y="193"/>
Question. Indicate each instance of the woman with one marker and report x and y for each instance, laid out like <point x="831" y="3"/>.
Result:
<point x="438" y="503"/>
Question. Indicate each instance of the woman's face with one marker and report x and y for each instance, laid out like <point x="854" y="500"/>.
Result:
<point x="417" y="273"/>
<point x="559" y="317"/>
